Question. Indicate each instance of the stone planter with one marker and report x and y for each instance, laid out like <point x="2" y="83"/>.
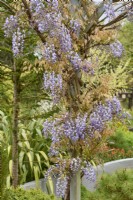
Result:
<point x="108" y="167"/>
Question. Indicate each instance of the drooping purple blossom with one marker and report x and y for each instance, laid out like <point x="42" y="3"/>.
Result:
<point x="75" y="164"/>
<point x="109" y="10"/>
<point x="36" y="6"/>
<point x="50" y="53"/>
<point x="45" y="17"/>
<point x="54" y="83"/>
<point x="75" y="26"/>
<point x="99" y="117"/>
<point x="75" y="60"/>
<point x="117" y="49"/>
<point x="61" y="186"/>
<point x="75" y="129"/>
<point x="89" y="172"/>
<point x="65" y="39"/>
<point x="18" y="42"/>
<point x="49" y="172"/>
<point x="54" y="4"/>
<point x="114" y="105"/>
<point x="10" y="25"/>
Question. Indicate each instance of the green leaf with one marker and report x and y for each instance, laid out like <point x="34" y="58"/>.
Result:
<point x="38" y="159"/>
<point x="44" y="155"/>
<point x="30" y="156"/>
<point x="36" y="174"/>
<point x="10" y="167"/>
<point x="21" y="157"/>
<point x="50" y="185"/>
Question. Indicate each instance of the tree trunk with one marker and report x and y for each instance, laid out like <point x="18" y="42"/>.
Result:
<point x="75" y="187"/>
<point x="67" y="195"/>
<point x="16" y="76"/>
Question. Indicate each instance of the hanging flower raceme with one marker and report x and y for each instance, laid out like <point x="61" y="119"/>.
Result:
<point x="10" y="25"/>
<point x="47" y="17"/>
<point x="65" y="39"/>
<point x="18" y="42"/>
<point x="117" y="49"/>
<point x="75" y="60"/>
<point x="54" y="83"/>
<point x="75" y="164"/>
<point x="114" y="105"/>
<point x="61" y="186"/>
<point x="50" y="53"/>
<point x="99" y="117"/>
<point x="89" y="172"/>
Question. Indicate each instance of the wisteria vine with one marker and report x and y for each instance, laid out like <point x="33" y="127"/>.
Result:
<point x="73" y="131"/>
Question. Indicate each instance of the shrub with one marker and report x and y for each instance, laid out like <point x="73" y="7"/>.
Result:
<point x="122" y="139"/>
<point x="21" y="194"/>
<point x="118" y="186"/>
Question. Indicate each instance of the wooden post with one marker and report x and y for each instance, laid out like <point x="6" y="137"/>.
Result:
<point x="75" y="187"/>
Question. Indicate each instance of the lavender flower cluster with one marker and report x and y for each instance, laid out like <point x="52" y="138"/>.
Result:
<point x="61" y="186"/>
<point x="18" y="42"/>
<point x="75" y="60"/>
<point x="10" y="25"/>
<point x="50" y="53"/>
<point x="75" y="129"/>
<point x="114" y="105"/>
<point x="116" y="49"/>
<point x="109" y="10"/>
<point x="12" y="29"/>
<point x="89" y="172"/>
<point x="65" y="39"/>
<point x="75" y="164"/>
<point x="47" y="17"/>
<point x="54" y="83"/>
<point x="104" y="113"/>
<point x="99" y="117"/>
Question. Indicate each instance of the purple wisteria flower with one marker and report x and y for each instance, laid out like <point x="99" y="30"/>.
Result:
<point x="54" y="83"/>
<point x="65" y="39"/>
<point x="10" y="25"/>
<point x="50" y="53"/>
<point x="109" y="10"/>
<point x="75" y="164"/>
<point x="18" y="42"/>
<point x="75" y="60"/>
<point x="89" y="172"/>
<point x="46" y="18"/>
<point x="75" y="129"/>
<point x="37" y="6"/>
<point x="75" y="26"/>
<point x="114" y="105"/>
<point x="61" y="186"/>
<point x="54" y="4"/>
<point x="99" y="117"/>
<point x="117" y="49"/>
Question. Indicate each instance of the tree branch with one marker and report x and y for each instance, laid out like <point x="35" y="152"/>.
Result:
<point x="41" y="36"/>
